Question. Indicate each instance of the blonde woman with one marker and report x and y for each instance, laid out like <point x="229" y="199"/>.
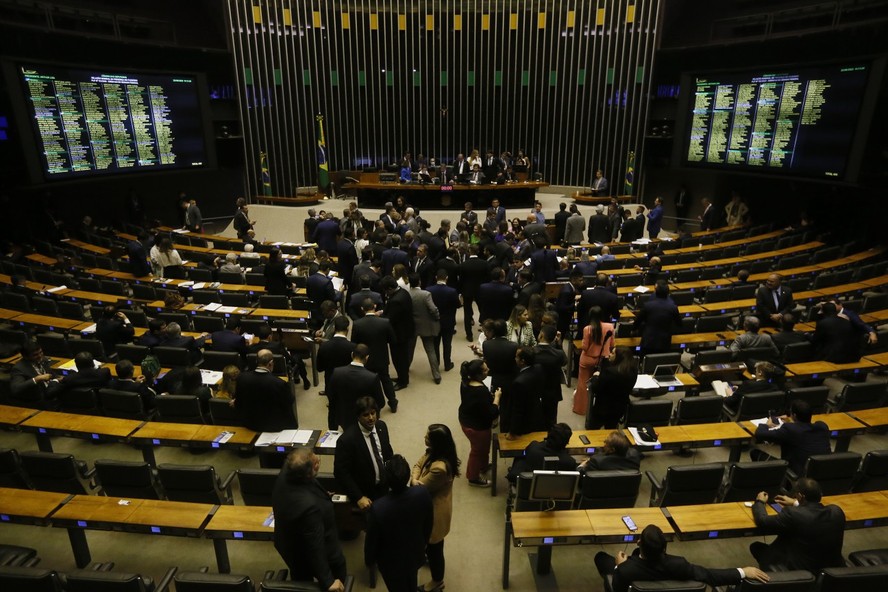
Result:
<point x="519" y="329"/>
<point x="228" y="385"/>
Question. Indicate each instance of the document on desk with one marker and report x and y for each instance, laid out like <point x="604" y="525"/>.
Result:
<point x="329" y="439"/>
<point x="641" y="289"/>
<point x="228" y="309"/>
<point x="645" y="381"/>
<point x="57" y="289"/>
<point x="210" y="377"/>
<point x="763" y="421"/>
<point x="722" y="388"/>
<point x="199" y="285"/>
<point x="71" y="366"/>
<point x="283" y="438"/>
<point x="213" y="306"/>
<point x="90" y="329"/>
<point x="638" y="439"/>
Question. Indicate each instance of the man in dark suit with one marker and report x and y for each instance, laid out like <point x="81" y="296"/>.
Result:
<point x="561" y="217"/>
<point x="30" y="378"/>
<point x="399" y="311"/>
<point x="629" y="230"/>
<point x="156" y="333"/>
<point x="615" y="455"/>
<point x="398" y="527"/>
<point x="347" y="256"/>
<point x="461" y="170"/>
<point x="125" y="382"/>
<point x="498" y="210"/>
<point x="543" y="261"/>
<point x="361" y="453"/>
<point x="447" y="300"/>
<point x="495" y="298"/>
<point x="358" y="296"/>
<point x="295" y="365"/>
<point x="231" y="338"/>
<point x="773" y="300"/>
<point x="598" y="294"/>
<point x="526" y="287"/>
<point x="472" y="273"/>
<point x="809" y="534"/>
<point x="336" y="351"/>
<point x="319" y="288"/>
<point x="376" y="333"/>
<point x="264" y="401"/>
<point x="242" y="223"/>
<point x="787" y="335"/>
<point x="524" y="396"/>
<point x="534" y="458"/>
<point x="649" y="562"/>
<point x="499" y="353"/>
<point x="174" y="338"/>
<point x="765" y="373"/>
<point x="86" y="376"/>
<point x="599" y="226"/>
<point x="423" y="266"/>
<point x="567" y="300"/>
<point x="394" y="255"/>
<point x="707" y="218"/>
<point x="450" y="263"/>
<point x="551" y="360"/>
<point x="326" y="234"/>
<point x="656" y="321"/>
<point x="113" y="328"/>
<point x="347" y="384"/>
<point x="305" y="533"/>
<point x="369" y="268"/>
<point x="797" y="436"/>
<point x="835" y="339"/>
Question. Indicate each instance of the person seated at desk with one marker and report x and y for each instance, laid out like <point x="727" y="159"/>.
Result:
<point x="87" y="375"/>
<point x="765" y="374"/>
<point x="423" y="175"/>
<point x="476" y="177"/>
<point x="649" y="562"/>
<point x="114" y="327"/>
<point x="787" y="335"/>
<point x="230" y="265"/>
<point x="753" y="339"/>
<point x="125" y="382"/>
<point x="405" y="175"/>
<point x="797" y="436"/>
<point x="174" y="338"/>
<point x="535" y="454"/>
<point x="809" y="534"/>
<point x="31" y="379"/>
<point x="615" y="455"/>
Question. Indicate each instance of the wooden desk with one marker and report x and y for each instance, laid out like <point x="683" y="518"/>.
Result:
<point x="822" y="369"/>
<point x="237" y="523"/>
<point x="75" y="425"/>
<point x="705" y="435"/>
<point x="874" y="418"/>
<point x="841" y="427"/>
<point x="87" y="246"/>
<point x="608" y="526"/>
<point x="862" y="510"/>
<point x="84" y="512"/>
<point x="712" y="521"/>
<point x="504" y="448"/>
<point x="275" y="313"/>
<point x="25" y="506"/>
<point x="52" y="323"/>
<point x="512" y="195"/>
<point x="729" y="306"/>
<point x="12" y="416"/>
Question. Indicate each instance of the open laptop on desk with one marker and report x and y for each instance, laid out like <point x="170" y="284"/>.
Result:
<point x="664" y="375"/>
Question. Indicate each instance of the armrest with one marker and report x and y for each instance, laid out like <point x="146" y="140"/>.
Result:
<point x="225" y="486"/>
<point x="656" y="488"/>
<point x="164" y="582"/>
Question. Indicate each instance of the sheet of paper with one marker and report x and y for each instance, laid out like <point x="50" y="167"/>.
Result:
<point x="641" y="289"/>
<point x="199" y="285"/>
<point x="639" y="441"/>
<point x="329" y="439"/>
<point x="646" y="381"/>
<point x="210" y="377"/>
<point x="90" y="329"/>
<point x="337" y="283"/>
<point x="267" y="438"/>
<point x="57" y="289"/>
<point x="722" y="388"/>
<point x="228" y="309"/>
<point x="294" y="437"/>
<point x="213" y="306"/>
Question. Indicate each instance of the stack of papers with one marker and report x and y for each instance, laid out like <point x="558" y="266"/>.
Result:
<point x="329" y="439"/>
<point x="90" y="329"/>
<point x="212" y="307"/>
<point x="284" y="438"/>
<point x="639" y="441"/>
<point x="764" y="421"/>
<point x="71" y="366"/>
<point x="722" y="388"/>
<point x="210" y="377"/>
<point x="645" y="381"/>
<point x="56" y="289"/>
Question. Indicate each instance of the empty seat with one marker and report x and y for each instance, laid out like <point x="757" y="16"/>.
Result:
<point x="222" y="413"/>
<point x="274" y="301"/>
<point x="205" y="296"/>
<point x="213" y="360"/>
<point x="174" y="272"/>
<point x="859" y="395"/>
<point x="194" y="483"/>
<point x="54" y="345"/>
<point x="29" y="579"/>
<point x="667" y="586"/>
<point x="873" y="474"/>
<point x="655" y="412"/>
<point x="79" y="400"/>
<point x="179" y="409"/>
<point x="757" y="405"/>
<point x="94" y="580"/>
<point x="16" y="301"/>
<point x="207" y="324"/>
<point x="125" y="479"/>
<point x="869" y="557"/>
<point x="798" y="352"/>
<point x="144" y="292"/>
<point x="113" y="287"/>
<point x="92" y="346"/>
<point x="197" y="274"/>
<point x="172" y="356"/>
<point x="234" y="298"/>
<point x="713" y="324"/>
<point x="746" y="479"/>
<point x="843" y="579"/>
<point x="230" y="277"/>
<point x="199" y="581"/>
<point x="651" y="361"/>
<point x="123" y="405"/>
<point x="132" y="352"/>
<point x="814" y="396"/>
<point x="701" y="409"/>
<point x="609" y="489"/>
<point x="50" y="471"/>
<point x="44" y="306"/>
<point x="256" y="485"/>
<point x="70" y="310"/>
<point x="686" y="485"/>
<point x="835" y="472"/>
<point x="11" y="473"/>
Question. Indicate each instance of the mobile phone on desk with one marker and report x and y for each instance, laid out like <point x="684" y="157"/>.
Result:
<point x="630" y="523"/>
<point x="584" y="439"/>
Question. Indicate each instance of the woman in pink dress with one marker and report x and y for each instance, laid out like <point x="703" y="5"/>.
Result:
<point x="598" y="340"/>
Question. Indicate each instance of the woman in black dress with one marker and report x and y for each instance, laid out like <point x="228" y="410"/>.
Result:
<point x="477" y="411"/>
<point x="276" y="280"/>
<point x="611" y="387"/>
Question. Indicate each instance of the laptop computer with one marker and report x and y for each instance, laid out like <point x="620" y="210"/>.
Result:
<point x="664" y="375"/>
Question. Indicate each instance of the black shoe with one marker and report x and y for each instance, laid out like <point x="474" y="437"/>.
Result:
<point x="438" y="380"/>
<point x="393" y="405"/>
<point x="448" y="366"/>
<point x="306" y="384"/>
<point x="400" y="386"/>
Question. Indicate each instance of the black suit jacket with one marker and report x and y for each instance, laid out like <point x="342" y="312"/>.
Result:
<point x="836" y="341"/>
<point x="809" y="536"/>
<point x="398" y="528"/>
<point x="376" y="333"/>
<point x="305" y="532"/>
<point x="495" y="301"/>
<point x="111" y="332"/>
<point x="446" y="299"/>
<point x="265" y="402"/>
<point x="131" y="386"/>
<point x="473" y="272"/>
<point x="23" y="387"/>
<point x="764" y="302"/>
<point x="598" y="296"/>
<point x="669" y="567"/>
<point x="656" y="321"/>
<point x="399" y="310"/>
<point x="332" y="354"/>
<point x="614" y="462"/>
<point x="523" y="414"/>
<point x="544" y="264"/>
<point x="551" y="359"/>
<point x="229" y="341"/>
<point x="318" y="288"/>
<point x="499" y="353"/>
<point x="353" y="464"/>
<point x="561" y="217"/>
<point x="346" y="385"/>
<point x="797" y="441"/>
<point x="707" y="219"/>
<point x="599" y="229"/>
<point x="93" y="378"/>
<point x="348" y="259"/>
<point x="534" y="459"/>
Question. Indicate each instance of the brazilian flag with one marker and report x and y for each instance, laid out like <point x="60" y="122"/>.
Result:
<point x="266" y="177"/>
<point x="323" y="169"/>
<point x="630" y="173"/>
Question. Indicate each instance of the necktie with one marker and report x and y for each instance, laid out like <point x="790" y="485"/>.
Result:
<point x="377" y="457"/>
<point x="776" y="294"/>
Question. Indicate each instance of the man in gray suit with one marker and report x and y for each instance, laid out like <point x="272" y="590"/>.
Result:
<point x="427" y="321"/>
<point x="574" y="227"/>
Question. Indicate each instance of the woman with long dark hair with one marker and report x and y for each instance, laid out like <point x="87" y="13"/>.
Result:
<point x="478" y="409"/>
<point x="612" y="386"/>
<point x="276" y="280"/>
<point x="598" y="340"/>
<point x="436" y="470"/>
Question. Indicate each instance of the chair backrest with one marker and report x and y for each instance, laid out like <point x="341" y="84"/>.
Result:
<point x="798" y="352"/>
<point x="691" y="484"/>
<point x="234" y="298"/>
<point x="279" y="585"/>
<point x="756" y="405"/>
<point x="51" y="471"/>
<point x="667" y="586"/>
<point x="842" y="579"/>
<point x="713" y="323"/>
<point x="256" y="279"/>
<point x="780" y="581"/>
<point x="93" y="346"/>
<point x="230" y="277"/>
<point x="191" y="483"/>
<point x="126" y="479"/>
<point x="16" y="301"/>
<point x="31" y="579"/>
<point x="11" y="474"/>
<point x="815" y="396"/>
<point x="280" y="364"/>
<point x="54" y="345"/>
<point x="112" y="287"/>
<point x="172" y="356"/>
<point x="751" y="355"/>
<point x="835" y="472"/>
<point x="196" y="274"/>
<point x="700" y="409"/>
<point x="256" y="485"/>
<point x="875" y="302"/>
<point x="91" y="580"/>
<point x="208" y="324"/>
<point x="144" y="292"/>
<point x="222" y="413"/>
<point x="179" y="409"/>
<point x="651" y="361"/>
<point x="205" y="296"/>
<point x="174" y="272"/>
<point x="873" y="475"/>
<point x="198" y="581"/>
<point x="274" y="301"/>
<point x="609" y="489"/>
<point x="743" y="292"/>
<point x="656" y="412"/>
<point x="183" y="319"/>
<point x="44" y="306"/>
<point x="717" y="294"/>
<point x="123" y="404"/>
<point x="79" y="400"/>
<point x="213" y="360"/>
<point x="746" y="479"/>
<point x="860" y="395"/>
<point x="132" y="352"/>
<point x="70" y="310"/>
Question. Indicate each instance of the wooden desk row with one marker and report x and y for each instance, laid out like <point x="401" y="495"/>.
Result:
<point x="727" y="434"/>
